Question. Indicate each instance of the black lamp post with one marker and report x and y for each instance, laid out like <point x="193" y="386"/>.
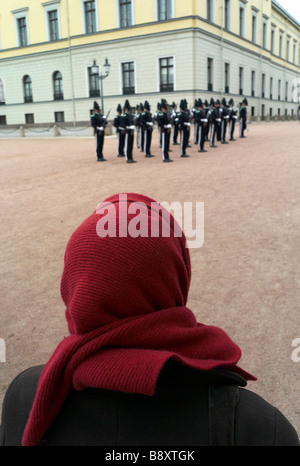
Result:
<point x="101" y="76"/>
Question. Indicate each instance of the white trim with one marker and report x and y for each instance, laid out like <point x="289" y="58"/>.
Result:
<point x="18" y="14"/>
<point x="121" y="78"/>
<point x="83" y="22"/>
<point x="158" y="71"/>
<point x="156" y="10"/>
<point x="51" y="6"/>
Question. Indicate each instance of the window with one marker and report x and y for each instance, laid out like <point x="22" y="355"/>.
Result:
<point x="209" y="10"/>
<point x="2" y="93"/>
<point x="58" y="93"/>
<point x="210" y="64"/>
<point x="264" y="37"/>
<point x="242" y="21"/>
<point x="254" y="27"/>
<point x="53" y="25"/>
<point x="125" y="13"/>
<point x="273" y="39"/>
<point x="263" y="85"/>
<point x="164" y="8"/>
<point x="94" y="89"/>
<point x="286" y="91"/>
<point x="226" y="72"/>
<point x="29" y="118"/>
<point x="288" y="49"/>
<point x="27" y="88"/>
<point x="90" y="17"/>
<point x="241" y="80"/>
<point x="22" y="31"/>
<point x="294" y="53"/>
<point x="280" y="44"/>
<point x="59" y="117"/>
<point x="279" y="89"/>
<point x="128" y="78"/>
<point x="271" y="88"/>
<point x="166" y="74"/>
<point x="2" y="119"/>
<point x="227" y="15"/>
<point x="253" y="83"/>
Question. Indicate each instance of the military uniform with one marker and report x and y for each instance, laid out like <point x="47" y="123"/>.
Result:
<point x="243" y="118"/>
<point x="225" y="118"/>
<point x="164" y="125"/>
<point x="232" y="119"/>
<point x="129" y="132"/>
<point x="184" y="126"/>
<point x="174" y="122"/>
<point x="201" y="121"/>
<point x="99" y="122"/>
<point x="147" y="129"/>
<point x="212" y="115"/>
<point x="119" y="124"/>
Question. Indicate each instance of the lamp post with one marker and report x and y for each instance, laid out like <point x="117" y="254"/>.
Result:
<point x="101" y="76"/>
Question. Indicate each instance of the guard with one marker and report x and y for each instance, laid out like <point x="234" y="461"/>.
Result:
<point x="99" y="122"/>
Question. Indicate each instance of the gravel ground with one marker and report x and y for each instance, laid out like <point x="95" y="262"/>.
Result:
<point x="245" y="277"/>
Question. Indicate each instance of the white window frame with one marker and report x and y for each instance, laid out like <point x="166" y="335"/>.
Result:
<point x="121" y="78"/>
<point x="118" y="13"/>
<point x="254" y="16"/>
<point x="83" y="22"/>
<point x="212" y="11"/>
<point x="229" y="16"/>
<point x="156" y="10"/>
<point x="158" y="58"/>
<point x="51" y="6"/>
<point x="273" y="38"/>
<point x="280" y="51"/>
<point x="18" y="14"/>
<point x="264" y="38"/>
<point x="212" y="71"/>
<point x="288" y="45"/>
<point x="242" y="29"/>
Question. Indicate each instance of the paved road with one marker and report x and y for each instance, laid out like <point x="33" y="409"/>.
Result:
<point x="246" y="275"/>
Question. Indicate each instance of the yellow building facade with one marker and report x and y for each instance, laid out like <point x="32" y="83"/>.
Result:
<point x="157" y="49"/>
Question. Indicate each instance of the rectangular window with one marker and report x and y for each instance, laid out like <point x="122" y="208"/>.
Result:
<point x="94" y="88"/>
<point x="22" y="31"/>
<point x="2" y="93"/>
<point x="241" y="80"/>
<point x="279" y="89"/>
<point x="273" y="40"/>
<point x="271" y="88"/>
<point x="264" y="38"/>
<point x="53" y="25"/>
<point x="210" y="64"/>
<point x="280" y="44"/>
<point x="286" y="91"/>
<point x="164" y="8"/>
<point x="166" y="74"/>
<point x="253" y="83"/>
<point x="294" y="53"/>
<point x="263" y="85"/>
<point x="29" y="118"/>
<point x="128" y="79"/>
<point x="242" y="21"/>
<point x="59" y="117"/>
<point x="125" y="13"/>
<point x="254" y="20"/>
<point x="288" y="49"/>
<point x="2" y="119"/>
<point x="227" y="77"/>
<point x="227" y="15"/>
<point x="209" y="10"/>
<point x="90" y="17"/>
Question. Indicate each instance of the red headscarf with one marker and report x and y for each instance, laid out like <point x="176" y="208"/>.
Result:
<point x="125" y="297"/>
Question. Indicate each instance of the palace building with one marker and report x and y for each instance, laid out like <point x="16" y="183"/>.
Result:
<point x="156" y="49"/>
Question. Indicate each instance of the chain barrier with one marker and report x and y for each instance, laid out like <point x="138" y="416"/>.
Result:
<point x="9" y="132"/>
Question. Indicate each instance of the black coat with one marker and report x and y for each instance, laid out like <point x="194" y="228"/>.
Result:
<point x="180" y="413"/>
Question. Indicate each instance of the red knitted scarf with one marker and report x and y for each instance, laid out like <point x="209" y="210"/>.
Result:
<point x="125" y="297"/>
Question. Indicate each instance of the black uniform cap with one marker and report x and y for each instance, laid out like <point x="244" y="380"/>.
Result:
<point x="127" y="104"/>
<point x="231" y="102"/>
<point x="212" y="102"/>
<point x="224" y="101"/>
<point x="245" y="101"/>
<point x="96" y="106"/>
<point x="146" y="105"/>
<point x="200" y="103"/>
<point x="119" y="108"/>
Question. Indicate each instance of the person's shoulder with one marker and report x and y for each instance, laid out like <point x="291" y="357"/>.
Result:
<point x="259" y="423"/>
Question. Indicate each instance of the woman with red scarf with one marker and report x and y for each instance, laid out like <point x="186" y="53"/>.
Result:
<point x="136" y="368"/>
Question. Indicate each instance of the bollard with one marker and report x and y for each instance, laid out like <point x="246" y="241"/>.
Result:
<point x="2" y="350"/>
<point x="22" y="132"/>
<point x="56" y="131"/>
